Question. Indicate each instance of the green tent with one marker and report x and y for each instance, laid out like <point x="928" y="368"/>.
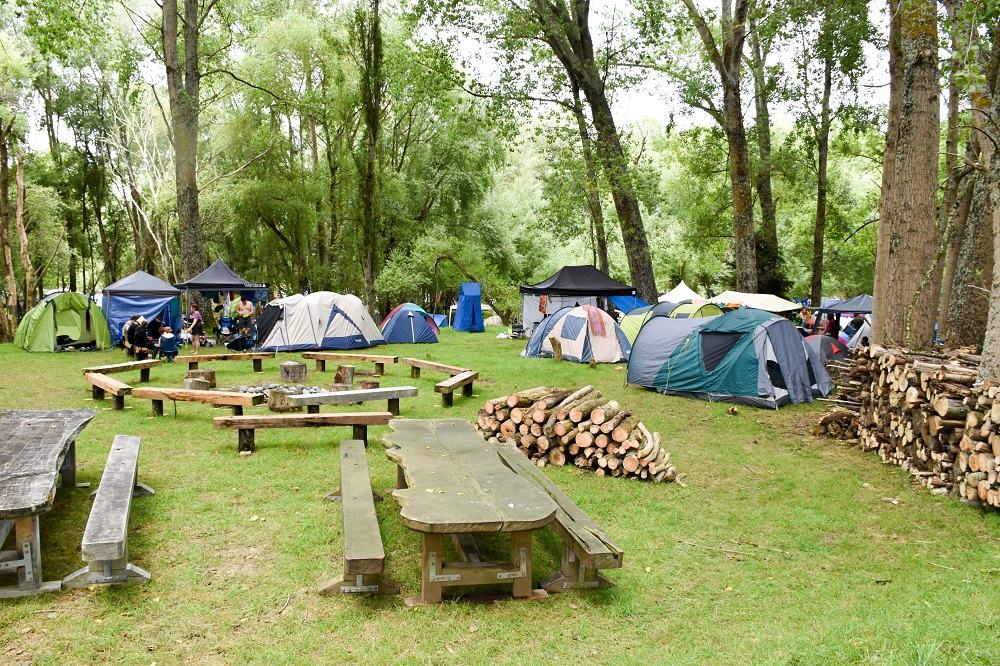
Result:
<point x="66" y="320"/>
<point x="695" y="310"/>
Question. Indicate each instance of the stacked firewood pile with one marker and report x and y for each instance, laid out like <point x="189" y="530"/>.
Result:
<point x="578" y="426"/>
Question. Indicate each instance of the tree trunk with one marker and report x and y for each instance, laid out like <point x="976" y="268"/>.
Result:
<point x="969" y="300"/>
<point x="823" y="153"/>
<point x="762" y="91"/>
<point x="8" y="310"/>
<point x="22" y="234"/>
<point x="372" y="84"/>
<point x="593" y="191"/>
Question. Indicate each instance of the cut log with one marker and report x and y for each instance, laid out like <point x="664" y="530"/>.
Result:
<point x="292" y="371"/>
<point x="601" y="414"/>
<point x="556" y="349"/>
<point x="610" y="425"/>
<point x="528" y="397"/>
<point x="624" y="429"/>
<point x="344" y="375"/>
<point x="582" y="411"/>
<point x="950" y="408"/>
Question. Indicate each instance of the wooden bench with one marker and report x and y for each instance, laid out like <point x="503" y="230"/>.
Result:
<point x="448" y="386"/>
<point x="256" y="357"/>
<point x="102" y="383"/>
<point x="392" y="394"/>
<point x="586" y="548"/>
<point x="247" y="424"/>
<point x="232" y="399"/>
<point x="364" y="555"/>
<point x="105" y="540"/>
<point x="322" y="357"/>
<point x="142" y="366"/>
<point x="416" y="364"/>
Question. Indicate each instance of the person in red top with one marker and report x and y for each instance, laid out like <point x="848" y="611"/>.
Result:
<point x="832" y="326"/>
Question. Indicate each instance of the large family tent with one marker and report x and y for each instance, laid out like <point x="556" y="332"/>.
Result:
<point x="64" y="320"/>
<point x="746" y="356"/>
<point x="681" y="292"/>
<point x="634" y="320"/>
<point x="571" y="286"/>
<point x="320" y="320"/>
<point x="768" y="302"/>
<point x="655" y="343"/>
<point x="220" y="277"/>
<point x="469" y="312"/>
<point x="585" y="333"/>
<point x="409" y="323"/>
<point x="695" y="310"/>
<point x="140" y="294"/>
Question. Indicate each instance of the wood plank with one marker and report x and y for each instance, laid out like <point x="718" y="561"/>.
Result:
<point x="248" y="356"/>
<point x="252" y="422"/>
<point x="106" y="535"/>
<point x="359" y="395"/>
<point x="449" y="385"/>
<point x="109" y="384"/>
<point x="33" y="445"/>
<point x="362" y="358"/>
<point x="363" y="550"/>
<point x="456" y="483"/>
<point x="438" y="367"/>
<point x="228" y="398"/>
<point x="122" y="367"/>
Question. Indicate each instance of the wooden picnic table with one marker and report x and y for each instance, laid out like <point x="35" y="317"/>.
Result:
<point x="450" y="481"/>
<point x="35" y="448"/>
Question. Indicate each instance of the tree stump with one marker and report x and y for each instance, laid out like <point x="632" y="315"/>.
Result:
<point x="277" y="400"/>
<point x="197" y="384"/>
<point x="556" y="349"/>
<point x="292" y="372"/>
<point x="345" y="375"/>
<point x="207" y="375"/>
<point x="366" y="384"/>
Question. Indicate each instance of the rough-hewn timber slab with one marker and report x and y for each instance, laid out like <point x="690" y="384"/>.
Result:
<point x="106" y="534"/>
<point x="109" y="384"/>
<point x="228" y="398"/>
<point x="457" y="381"/>
<point x="363" y="550"/>
<point x="33" y="445"/>
<point x="457" y="483"/>
<point x="301" y="420"/>
<point x="122" y="367"/>
<point x="359" y="395"/>
<point x="437" y="367"/>
<point x="360" y="358"/>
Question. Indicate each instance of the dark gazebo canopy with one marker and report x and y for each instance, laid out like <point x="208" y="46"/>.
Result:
<point x="220" y="277"/>
<point x="579" y="281"/>
<point x="141" y="283"/>
<point x="860" y="304"/>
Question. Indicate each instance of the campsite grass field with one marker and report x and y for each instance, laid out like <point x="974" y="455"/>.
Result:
<point x="781" y="549"/>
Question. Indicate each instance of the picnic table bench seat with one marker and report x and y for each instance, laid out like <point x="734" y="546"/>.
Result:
<point x="101" y="384"/>
<point x="380" y="361"/>
<point x="586" y="548"/>
<point x="257" y="357"/>
<point x="105" y="539"/>
<point x="142" y="366"/>
<point x="364" y="555"/>
<point x="246" y="425"/>
<point x="392" y="395"/>
<point x="233" y="399"/>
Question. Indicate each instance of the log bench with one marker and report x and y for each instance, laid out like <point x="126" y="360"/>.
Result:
<point x="247" y="424"/>
<point x="101" y="384"/>
<point x="312" y="401"/>
<point x="321" y="359"/>
<point x="586" y="548"/>
<point x="448" y="386"/>
<point x="364" y="555"/>
<point x="256" y="357"/>
<point x="105" y="540"/>
<point x="232" y="399"/>
<point x="416" y="365"/>
<point x="142" y="366"/>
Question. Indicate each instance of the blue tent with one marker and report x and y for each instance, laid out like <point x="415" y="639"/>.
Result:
<point x="140" y="294"/>
<point x="441" y="320"/>
<point x="409" y="323"/>
<point x="469" y="313"/>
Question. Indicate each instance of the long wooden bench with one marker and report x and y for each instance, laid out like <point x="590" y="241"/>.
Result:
<point x="364" y="555"/>
<point x="416" y="365"/>
<point x="586" y="548"/>
<point x="256" y="357"/>
<point x="321" y="359"/>
<point x="101" y="384"/>
<point x="248" y="424"/>
<point x="392" y="394"/>
<point x="142" y="366"/>
<point x="448" y="386"/>
<point x="232" y="399"/>
<point x="105" y="540"/>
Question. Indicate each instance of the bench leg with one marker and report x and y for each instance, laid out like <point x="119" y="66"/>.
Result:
<point x="379" y="369"/>
<point x="467" y="390"/>
<point x="68" y="470"/>
<point x="192" y="365"/>
<point x="520" y="555"/>
<point x="119" y="402"/>
<point x="157" y="408"/>
<point x="312" y="409"/>
<point x="394" y="406"/>
<point x="359" y="584"/>
<point x="414" y="372"/>
<point x="144" y="375"/>
<point x="106" y="572"/>
<point x="97" y="393"/>
<point x="258" y="365"/>
<point x="433" y="559"/>
<point x="246" y="440"/>
<point x="29" y="576"/>
<point x="400" y="478"/>
<point x="237" y="410"/>
<point x="361" y="432"/>
<point x="574" y="576"/>
<point x="447" y="400"/>
<point x="320" y="365"/>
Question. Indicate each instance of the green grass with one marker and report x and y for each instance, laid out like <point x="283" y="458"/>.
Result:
<point x="780" y="550"/>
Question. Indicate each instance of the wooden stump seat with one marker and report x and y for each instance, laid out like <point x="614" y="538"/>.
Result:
<point x="232" y="399"/>
<point x="101" y="383"/>
<point x="586" y="548"/>
<point x="380" y="362"/>
<point x="142" y="366"/>
<point x="246" y="425"/>
<point x="105" y="540"/>
<point x="257" y="357"/>
<point x="312" y="401"/>
<point x="364" y="555"/>
<point x="448" y="386"/>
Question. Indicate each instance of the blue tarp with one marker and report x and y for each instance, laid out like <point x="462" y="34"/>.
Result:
<point x="469" y="313"/>
<point x="118" y="309"/>
<point x="626" y="303"/>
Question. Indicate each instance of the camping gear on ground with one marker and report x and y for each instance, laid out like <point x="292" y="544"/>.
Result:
<point x="140" y="294"/>
<point x="745" y="356"/>
<point x="62" y="321"/>
<point x="571" y="286"/>
<point x="219" y="277"/>
<point x="768" y="302"/>
<point x="409" y="323"/>
<point x="320" y="320"/>
<point x="469" y="312"/>
<point x="681" y="292"/>
<point x="585" y="333"/>
<point x="828" y="348"/>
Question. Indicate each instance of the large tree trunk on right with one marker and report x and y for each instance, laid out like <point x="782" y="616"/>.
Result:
<point x="372" y="82"/>
<point x="22" y="235"/>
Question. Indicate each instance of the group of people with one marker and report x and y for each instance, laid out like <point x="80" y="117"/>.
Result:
<point x="831" y="327"/>
<point x="143" y="339"/>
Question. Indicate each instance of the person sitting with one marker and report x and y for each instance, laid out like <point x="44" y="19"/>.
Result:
<point x="864" y="341"/>
<point x="154" y="329"/>
<point x="128" y="331"/>
<point x="140" y="340"/>
<point x="169" y="344"/>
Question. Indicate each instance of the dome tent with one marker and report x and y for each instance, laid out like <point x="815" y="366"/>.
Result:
<point x="585" y="332"/>
<point x="320" y="320"/>
<point x="634" y="320"/>
<point x="409" y="323"/>
<point x="63" y="320"/>
<point x="695" y="310"/>
<point x="140" y="294"/>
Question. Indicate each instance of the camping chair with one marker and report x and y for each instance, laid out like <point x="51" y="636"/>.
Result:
<point x="225" y="328"/>
<point x="169" y="348"/>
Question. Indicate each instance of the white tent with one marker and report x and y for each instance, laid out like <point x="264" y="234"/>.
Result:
<point x="320" y="320"/>
<point x="584" y="332"/>
<point x="681" y="292"/>
<point x="766" y="302"/>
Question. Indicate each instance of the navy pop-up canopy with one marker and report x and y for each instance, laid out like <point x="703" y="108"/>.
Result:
<point x="858" y="305"/>
<point x="220" y="277"/>
<point x="469" y="313"/>
<point x="140" y="294"/>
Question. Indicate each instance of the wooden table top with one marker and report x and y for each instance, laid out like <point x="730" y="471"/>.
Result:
<point x="457" y="482"/>
<point x="33" y="445"/>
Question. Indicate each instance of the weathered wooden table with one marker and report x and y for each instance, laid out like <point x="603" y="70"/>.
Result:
<point x="452" y="482"/>
<point x="35" y="447"/>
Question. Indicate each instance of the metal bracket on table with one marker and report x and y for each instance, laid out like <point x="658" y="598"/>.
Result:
<point x="359" y="587"/>
<point x="93" y="579"/>
<point x="523" y="572"/>
<point x="25" y="561"/>
<point x="432" y="570"/>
